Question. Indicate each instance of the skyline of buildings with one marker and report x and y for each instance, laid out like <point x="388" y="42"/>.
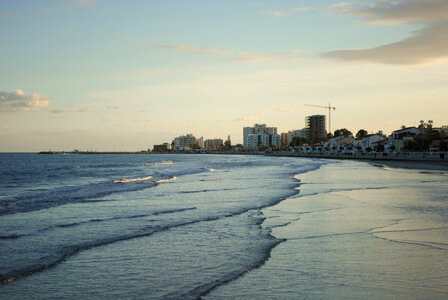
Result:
<point x="263" y="137"/>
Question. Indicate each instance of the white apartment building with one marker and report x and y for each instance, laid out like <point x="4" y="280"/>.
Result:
<point x="213" y="144"/>
<point x="276" y="140"/>
<point x="254" y="141"/>
<point x="261" y="131"/>
<point x="184" y="142"/>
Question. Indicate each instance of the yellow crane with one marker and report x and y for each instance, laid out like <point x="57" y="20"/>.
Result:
<point x="329" y="107"/>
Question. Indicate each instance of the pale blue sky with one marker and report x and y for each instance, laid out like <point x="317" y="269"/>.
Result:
<point x="126" y="75"/>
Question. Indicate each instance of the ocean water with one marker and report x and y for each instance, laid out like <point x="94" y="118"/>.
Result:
<point x="219" y="226"/>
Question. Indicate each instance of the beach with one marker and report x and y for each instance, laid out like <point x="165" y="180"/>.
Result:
<point x="220" y="227"/>
<point x="356" y="232"/>
<point x="412" y="165"/>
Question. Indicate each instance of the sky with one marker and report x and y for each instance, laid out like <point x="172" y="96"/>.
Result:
<point x="121" y="75"/>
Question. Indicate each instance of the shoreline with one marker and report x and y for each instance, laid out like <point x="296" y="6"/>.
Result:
<point x="415" y="165"/>
<point x="424" y="163"/>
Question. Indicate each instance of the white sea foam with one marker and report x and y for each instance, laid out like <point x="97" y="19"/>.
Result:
<point x="166" y="180"/>
<point x="163" y="162"/>
<point x="124" y="180"/>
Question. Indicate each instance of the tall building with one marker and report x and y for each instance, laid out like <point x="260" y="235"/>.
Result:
<point x="213" y="144"/>
<point x="184" y="142"/>
<point x="315" y="128"/>
<point x="290" y="135"/>
<point x="162" y="148"/>
<point x="200" y="142"/>
<point x="260" y="135"/>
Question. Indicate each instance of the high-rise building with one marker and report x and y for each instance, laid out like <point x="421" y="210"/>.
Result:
<point x="184" y="142"/>
<point x="200" y="142"/>
<point x="260" y="135"/>
<point x="213" y="144"/>
<point x="315" y="128"/>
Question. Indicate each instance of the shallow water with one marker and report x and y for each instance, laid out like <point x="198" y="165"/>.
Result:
<point x="355" y="231"/>
<point x="135" y="225"/>
<point x="186" y="226"/>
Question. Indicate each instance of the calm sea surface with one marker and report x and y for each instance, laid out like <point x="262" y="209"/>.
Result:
<point x="219" y="226"/>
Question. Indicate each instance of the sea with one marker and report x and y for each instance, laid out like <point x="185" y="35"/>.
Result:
<point x="198" y="226"/>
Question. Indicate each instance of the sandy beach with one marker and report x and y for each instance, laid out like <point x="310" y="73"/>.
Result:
<point x="356" y="232"/>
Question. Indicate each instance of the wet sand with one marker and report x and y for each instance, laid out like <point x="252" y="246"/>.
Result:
<point x="356" y="232"/>
<point x="411" y="165"/>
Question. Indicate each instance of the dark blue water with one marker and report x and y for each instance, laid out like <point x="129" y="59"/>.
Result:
<point x="136" y="226"/>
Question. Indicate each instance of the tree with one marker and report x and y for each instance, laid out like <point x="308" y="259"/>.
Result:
<point x="411" y="145"/>
<point x="342" y="132"/>
<point x="361" y="133"/>
<point x="228" y="143"/>
<point x="298" y="141"/>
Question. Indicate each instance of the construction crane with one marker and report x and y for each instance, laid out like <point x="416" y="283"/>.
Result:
<point x="329" y="107"/>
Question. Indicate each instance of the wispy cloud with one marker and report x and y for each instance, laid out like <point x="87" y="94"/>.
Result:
<point x="143" y="120"/>
<point x="304" y="9"/>
<point x="274" y="13"/>
<point x="196" y="50"/>
<point x="341" y="5"/>
<point x="281" y="109"/>
<point x="8" y="16"/>
<point x="255" y="116"/>
<point x="236" y="56"/>
<point x="395" y="12"/>
<point x="287" y="12"/>
<point x="119" y="107"/>
<point x="59" y="111"/>
<point x="428" y="45"/>
<point x="245" y="118"/>
<point x="79" y="110"/>
<point x="17" y="101"/>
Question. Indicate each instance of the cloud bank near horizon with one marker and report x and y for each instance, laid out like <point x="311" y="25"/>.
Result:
<point x="18" y="101"/>
<point x="426" y="46"/>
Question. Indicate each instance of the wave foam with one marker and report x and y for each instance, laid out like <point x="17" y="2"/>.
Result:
<point x="163" y="162"/>
<point x="166" y="180"/>
<point x="124" y="180"/>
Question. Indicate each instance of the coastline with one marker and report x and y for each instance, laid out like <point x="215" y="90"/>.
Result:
<point x="419" y="165"/>
<point x="421" y="161"/>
